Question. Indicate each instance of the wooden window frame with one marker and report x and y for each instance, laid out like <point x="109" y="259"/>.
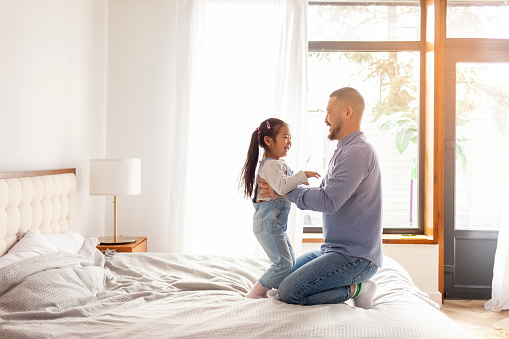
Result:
<point x="423" y="233"/>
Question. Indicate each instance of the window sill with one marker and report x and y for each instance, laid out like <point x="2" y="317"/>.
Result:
<point x="316" y="238"/>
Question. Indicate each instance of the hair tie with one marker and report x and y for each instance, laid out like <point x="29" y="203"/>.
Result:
<point x="258" y="128"/>
<point x="268" y="125"/>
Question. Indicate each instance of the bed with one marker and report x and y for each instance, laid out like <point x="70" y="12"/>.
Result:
<point x="54" y="283"/>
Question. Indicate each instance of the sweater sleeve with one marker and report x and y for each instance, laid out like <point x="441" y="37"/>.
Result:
<point x="274" y="173"/>
<point x="348" y="171"/>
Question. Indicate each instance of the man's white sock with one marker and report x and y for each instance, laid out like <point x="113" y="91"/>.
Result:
<point x="364" y="295"/>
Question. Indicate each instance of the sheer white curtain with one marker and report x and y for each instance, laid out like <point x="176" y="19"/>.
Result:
<point x="179" y="65"/>
<point x="500" y="284"/>
<point x="237" y="63"/>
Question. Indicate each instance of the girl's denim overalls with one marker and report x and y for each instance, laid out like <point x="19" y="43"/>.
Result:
<point x="269" y="226"/>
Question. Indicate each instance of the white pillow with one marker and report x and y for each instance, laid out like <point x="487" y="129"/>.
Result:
<point x="32" y="244"/>
<point x="70" y="242"/>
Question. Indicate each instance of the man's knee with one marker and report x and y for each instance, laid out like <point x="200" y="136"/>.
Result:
<point x="283" y="292"/>
<point x="286" y="292"/>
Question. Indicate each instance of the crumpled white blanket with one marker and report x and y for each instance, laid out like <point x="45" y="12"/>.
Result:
<point x="48" y="284"/>
<point x="157" y="295"/>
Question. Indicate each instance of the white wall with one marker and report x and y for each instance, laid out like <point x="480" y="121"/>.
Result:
<point x="140" y="108"/>
<point x="53" y="91"/>
<point x="421" y="262"/>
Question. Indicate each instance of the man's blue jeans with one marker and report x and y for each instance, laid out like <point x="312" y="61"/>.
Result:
<point x="324" y="278"/>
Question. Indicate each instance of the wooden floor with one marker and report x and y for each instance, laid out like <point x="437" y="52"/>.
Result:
<point x="481" y="322"/>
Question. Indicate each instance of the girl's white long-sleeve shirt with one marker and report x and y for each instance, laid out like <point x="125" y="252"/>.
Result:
<point x="275" y="173"/>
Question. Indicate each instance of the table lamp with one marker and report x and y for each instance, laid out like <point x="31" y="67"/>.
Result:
<point x="115" y="177"/>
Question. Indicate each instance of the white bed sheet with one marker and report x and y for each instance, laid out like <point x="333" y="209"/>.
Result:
<point x="149" y="295"/>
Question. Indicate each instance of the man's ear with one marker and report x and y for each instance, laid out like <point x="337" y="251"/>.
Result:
<point x="349" y="112"/>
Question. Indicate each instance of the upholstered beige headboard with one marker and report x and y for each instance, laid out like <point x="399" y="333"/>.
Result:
<point x="39" y="200"/>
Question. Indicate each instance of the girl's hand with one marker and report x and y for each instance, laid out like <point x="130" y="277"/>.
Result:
<point x="311" y="174"/>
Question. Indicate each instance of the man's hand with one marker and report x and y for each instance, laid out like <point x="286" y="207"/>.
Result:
<point x="266" y="190"/>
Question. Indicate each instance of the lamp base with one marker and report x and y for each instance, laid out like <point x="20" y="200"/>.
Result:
<point x="120" y="240"/>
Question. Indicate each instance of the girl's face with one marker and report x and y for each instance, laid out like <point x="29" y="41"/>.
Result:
<point x="279" y="147"/>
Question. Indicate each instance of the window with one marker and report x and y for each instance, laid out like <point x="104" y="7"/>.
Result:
<point x="480" y="66"/>
<point x="346" y="20"/>
<point x="486" y="19"/>
<point x="482" y="95"/>
<point x="375" y="47"/>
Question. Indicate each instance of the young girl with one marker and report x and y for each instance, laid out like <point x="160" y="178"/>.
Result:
<point x="271" y="214"/>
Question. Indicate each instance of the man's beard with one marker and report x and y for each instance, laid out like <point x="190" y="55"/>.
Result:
<point x="334" y="133"/>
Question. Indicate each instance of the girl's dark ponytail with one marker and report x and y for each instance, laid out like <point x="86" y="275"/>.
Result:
<point x="269" y="128"/>
<point x="249" y="170"/>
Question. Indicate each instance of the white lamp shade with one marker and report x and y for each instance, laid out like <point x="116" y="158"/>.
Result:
<point x="115" y="176"/>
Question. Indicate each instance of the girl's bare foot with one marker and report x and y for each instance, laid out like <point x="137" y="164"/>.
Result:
<point x="258" y="291"/>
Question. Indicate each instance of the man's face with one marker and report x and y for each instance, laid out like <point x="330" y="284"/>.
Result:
<point x="334" y="119"/>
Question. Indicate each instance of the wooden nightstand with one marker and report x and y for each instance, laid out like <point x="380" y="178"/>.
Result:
<point x="139" y="246"/>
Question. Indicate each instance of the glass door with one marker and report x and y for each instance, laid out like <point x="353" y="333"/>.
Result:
<point x="477" y="167"/>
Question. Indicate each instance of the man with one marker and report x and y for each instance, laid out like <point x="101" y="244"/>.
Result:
<point x="350" y="198"/>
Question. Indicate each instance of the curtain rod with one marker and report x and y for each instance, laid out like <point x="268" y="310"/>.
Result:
<point x="458" y="3"/>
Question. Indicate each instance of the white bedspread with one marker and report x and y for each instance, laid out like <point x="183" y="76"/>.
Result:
<point x="147" y="295"/>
